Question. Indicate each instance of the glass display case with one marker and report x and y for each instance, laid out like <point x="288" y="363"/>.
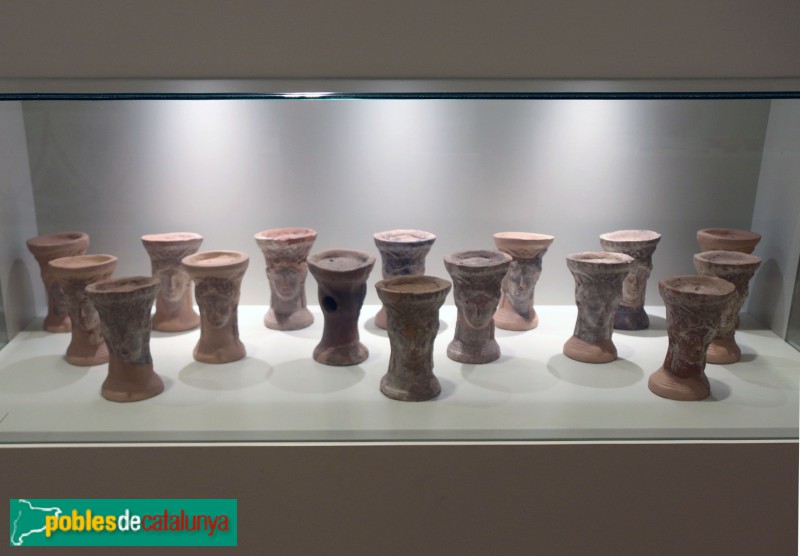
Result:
<point x="462" y="160"/>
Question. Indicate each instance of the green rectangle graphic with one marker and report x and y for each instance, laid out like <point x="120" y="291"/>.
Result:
<point x="123" y="522"/>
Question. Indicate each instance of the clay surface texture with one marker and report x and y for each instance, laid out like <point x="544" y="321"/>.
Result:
<point x="639" y="244"/>
<point x="403" y="253"/>
<point x="738" y="269"/>
<point x="598" y="290"/>
<point x="341" y="276"/>
<point x="516" y="310"/>
<point x="694" y="311"/>
<point x="727" y="239"/>
<point x="124" y="307"/>
<point x="218" y="278"/>
<point x="87" y="346"/>
<point x="477" y="278"/>
<point x="174" y="310"/>
<point x="285" y="251"/>
<point x="412" y="305"/>
<point x="44" y="249"/>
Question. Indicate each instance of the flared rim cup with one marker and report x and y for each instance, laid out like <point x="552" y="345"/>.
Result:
<point x="413" y="288"/>
<point x="83" y="265"/>
<point x="215" y="263"/>
<point x="58" y="241"/>
<point x="286" y="235"/>
<point x="403" y="236"/>
<point x="710" y="288"/>
<point x="727" y="259"/>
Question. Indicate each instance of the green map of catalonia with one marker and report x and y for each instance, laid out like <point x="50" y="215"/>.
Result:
<point x="27" y="519"/>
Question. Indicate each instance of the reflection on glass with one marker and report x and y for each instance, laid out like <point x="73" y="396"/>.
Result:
<point x="793" y="330"/>
<point x="3" y="329"/>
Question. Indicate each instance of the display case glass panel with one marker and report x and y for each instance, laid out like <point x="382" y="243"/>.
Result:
<point x="464" y="161"/>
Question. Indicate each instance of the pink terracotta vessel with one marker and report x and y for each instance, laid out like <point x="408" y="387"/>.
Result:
<point x="403" y="253"/>
<point x="87" y="346"/>
<point x="477" y="278"/>
<point x="639" y="244"/>
<point x="727" y="239"/>
<point x="341" y="276"/>
<point x="45" y="249"/>
<point x="124" y="307"/>
<point x="738" y="269"/>
<point x="174" y="309"/>
<point x="516" y="311"/>
<point x="412" y="306"/>
<point x="598" y="290"/>
<point x="285" y="252"/>
<point x="694" y="311"/>
<point x="218" y="279"/>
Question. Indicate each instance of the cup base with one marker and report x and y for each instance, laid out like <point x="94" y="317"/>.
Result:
<point x="510" y="320"/>
<point x="580" y="350"/>
<point x="227" y="354"/>
<point x="631" y="318"/>
<point x="664" y="384"/>
<point x="723" y="352"/>
<point x="147" y="385"/>
<point x="57" y="323"/>
<point x="419" y="391"/>
<point x="489" y="352"/>
<point x="341" y="356"/>
<point x="301" y="318"/>
<point x="176" y="324"/>
<point x="88" y="358"/>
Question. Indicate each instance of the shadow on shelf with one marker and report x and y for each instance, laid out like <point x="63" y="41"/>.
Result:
<point x="525" y="375"/>
<point x="305" y="376"/>
<point x="617" y="374"/>
<point x="40" y="374"/>
<point x="238" y="375"/>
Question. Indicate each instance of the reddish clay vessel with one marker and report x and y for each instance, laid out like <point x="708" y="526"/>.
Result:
<point x="341" y="276"/>
<point x="598" y="290"/>
<point x="285" y="252"/>
<point x="727" y="239"/>
<point x="738" y="269"/>
<point x="45" y="249"/>
<point x="218" y="279"/>
<point x="477" y="278"/>
<point x="516" y="311"/>
<point x="403" y="253"/>
<point x="174" y="310"/>
<point x="412" y="306"/>
<point x="124" y="307"/>
<point x="639" y="244"/>
<point x="87" y="346"/>
<point x="694" y="311"/>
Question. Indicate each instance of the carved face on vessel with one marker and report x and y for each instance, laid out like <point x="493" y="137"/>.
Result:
<point x="477" y="307"/>
<point x="174" y="282"/>
<point x="217" y="298"/>
<point x="519" y="284"/>
<point x="287" y="280"/>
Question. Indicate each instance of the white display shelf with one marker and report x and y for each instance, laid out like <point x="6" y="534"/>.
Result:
<point x="278" y="393"/>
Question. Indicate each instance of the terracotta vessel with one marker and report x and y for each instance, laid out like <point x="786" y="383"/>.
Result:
<point x="174" y="310"/>
<point x="412" y="305"/>
<point x="341" y="277"/>
<point x="694" y="311"/>
<point x="124" y="307"/>
<point x="285" y="252"/>
<point x="218" y="277"/>
<point x="727" y="239"/>
<point x="516" y="311"/>
<point x="477" y="278"/>
<point x="598" y="290"/>
<point x="87" y="345"/>
<point x="639" y="244"/>
<point x="738" y="269"/>
<point x="403" y="253"/>
<point x="45" y="249"/>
